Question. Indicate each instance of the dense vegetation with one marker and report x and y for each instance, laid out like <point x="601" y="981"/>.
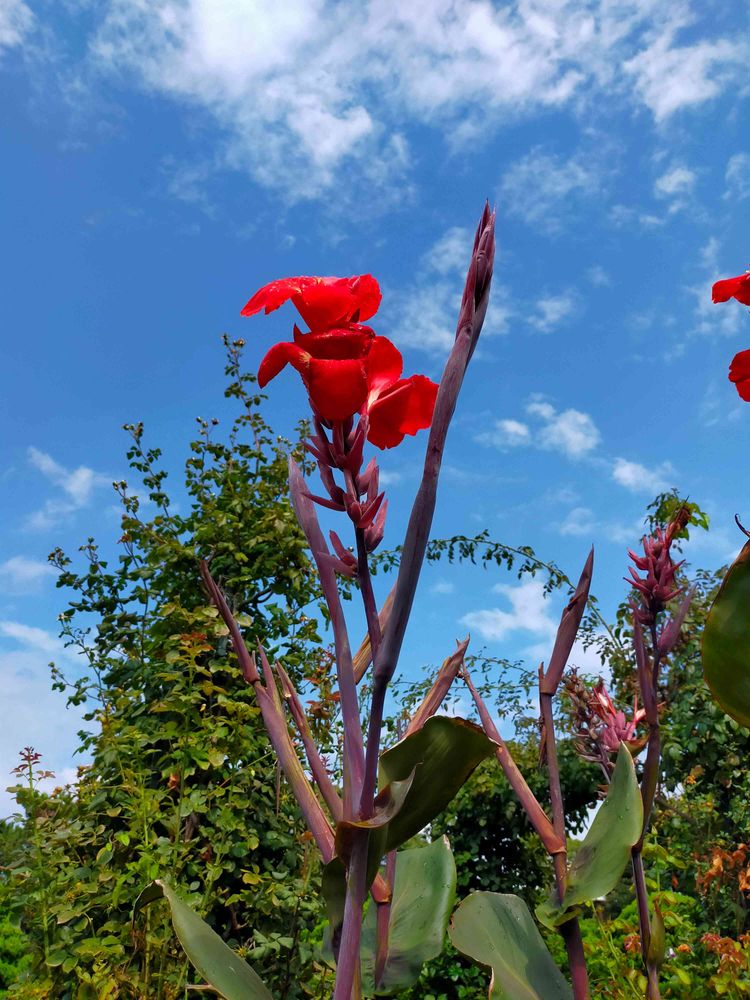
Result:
<point x="182" y="779"/>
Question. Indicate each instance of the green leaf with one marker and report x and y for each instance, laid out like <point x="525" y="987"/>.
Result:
<point x="423" y="896"/>
<point x="442" y="754"/>
<point x="215" y="961"/>
<point x="498" y="930"/>
<point x="726" y="641"/>
<point x="605" y="851"/>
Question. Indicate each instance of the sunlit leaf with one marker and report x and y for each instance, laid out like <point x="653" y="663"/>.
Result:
<point x="423" y="896"/>
<point x="498" y="930"/>
<point x="605" y="851"/>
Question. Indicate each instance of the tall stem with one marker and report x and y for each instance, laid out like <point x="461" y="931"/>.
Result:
<point x="571" y="929"/>
<point x="649" y="782"/>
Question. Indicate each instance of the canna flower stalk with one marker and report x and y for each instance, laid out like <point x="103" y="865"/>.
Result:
<point x="357" y="395"/>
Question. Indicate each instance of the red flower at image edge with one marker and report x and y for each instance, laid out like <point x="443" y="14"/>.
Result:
<point x="736" y="288"/>
<point x="732" y="288"/>
<point x="739" y="373"/>
<point x="346" y="368"/>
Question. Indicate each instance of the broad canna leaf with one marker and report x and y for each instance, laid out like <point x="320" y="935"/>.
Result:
<point x="442" y="755"/>
<point x="227" y="973"/>
<point x="605" y="851"/>
<point x="726" y="641"/>
<point x="498" y="930"/>
<point x="423" y="896"/>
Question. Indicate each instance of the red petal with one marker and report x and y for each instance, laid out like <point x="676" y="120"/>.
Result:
<point x="739" y="373"/>
<point x="384" y="366"/>
<point x="275" y="294"/>
<point x="405" y="408"/>
<point x="740" y="366"/>
<point x="338" y="300"/>
<point x="732" y="288"/>
<point x="277" y="357"/>
<point x="338" y="389"/>
<point x="347" y="342"/>
<point x="321" y="302"/>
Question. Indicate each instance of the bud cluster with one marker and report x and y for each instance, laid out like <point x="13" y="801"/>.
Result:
<point x="360" y="497"/>
<point x="600" y="726"/>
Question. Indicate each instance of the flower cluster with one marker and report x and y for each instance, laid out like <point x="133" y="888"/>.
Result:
<point x="616" y="727"/>
<point x="600" y="726"/>
<point x="346" y="368"/>
<point x="736" y="288"/>
<point x="657" y="588"/>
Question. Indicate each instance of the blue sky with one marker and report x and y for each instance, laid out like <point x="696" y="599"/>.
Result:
<point x="161" y="160"/>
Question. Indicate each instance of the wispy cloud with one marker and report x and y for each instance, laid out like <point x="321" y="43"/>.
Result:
<point x="16" y="21"/>
<point x="737" y="177"/>
<point x="551" y="311"/>
<point x="670" y="77"/>
<point x="546" y="190"/>
<point x="676" y="186"/>
<point x="306" y="90"/>
<point x="32" y="637"/>
<point x="424" y="314"/>
<point x="21" y="575"/>
<point x="571" y="432"/>
<point x="77" y="486"/>
<point x="639" y="479"/>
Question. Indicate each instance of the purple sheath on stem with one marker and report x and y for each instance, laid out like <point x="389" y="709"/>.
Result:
<point x="353" y="749"/>
<point x="473" y="309"/>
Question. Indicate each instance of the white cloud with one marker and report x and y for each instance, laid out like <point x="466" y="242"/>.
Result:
<point x="572" y="432"/>
<point x="569" y="431"/>
<point x="77" y="486"/>
<point x="546" y="190"/>
<point x="305" y="90"/>
<point x="579" y="521"/>
<point x="598" y="277"/>
<point x="669" y="77"/>
<point x="21" y="575"/>
<point x="550" y="311"/>
<point x="16" y="21"/>
<point x="509" y="434"/>
<point x="32" y="637"/>
<point x="676" y="181"/>
<point x="442" y="587"/>
<point x="424" y="316"/>
<point x="640" y="479"/>
<point x="529" y="612"/>
<point x="738" y="177"/>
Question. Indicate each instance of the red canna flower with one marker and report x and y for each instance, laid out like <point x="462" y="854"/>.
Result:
<point x="733" y="288"/>
<point x="346" y="368"/>
<point x="321" y="302"/>
<point x="739" y="373"/>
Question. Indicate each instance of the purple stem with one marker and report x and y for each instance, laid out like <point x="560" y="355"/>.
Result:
<point x="319" y="770"/>
<point x="473" y="310"/>
<point x="435" y="696"/>
<point x="567" y="630"/>
<point x="537" y="816"/>
<point x="571" y="929"/>
<point x="353" y="749"/>
<point x="363" y="656"/>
